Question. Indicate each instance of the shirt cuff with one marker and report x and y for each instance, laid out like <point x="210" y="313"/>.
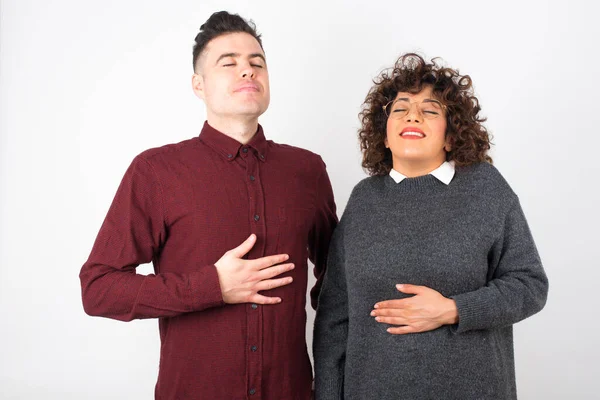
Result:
<point x="205" y="290"/>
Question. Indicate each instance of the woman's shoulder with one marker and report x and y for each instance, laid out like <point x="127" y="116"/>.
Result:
<point x="367" y="185"/>
<point x="484" y="177"/>
<point x="366" y="191"/>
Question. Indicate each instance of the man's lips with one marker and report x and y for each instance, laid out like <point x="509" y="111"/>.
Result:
<point x="411" y="132"/>
<point x="247" y="87"/>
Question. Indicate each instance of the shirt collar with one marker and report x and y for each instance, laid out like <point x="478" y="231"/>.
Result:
<point x="444" y="173"/>
<point x="230" y="148"/>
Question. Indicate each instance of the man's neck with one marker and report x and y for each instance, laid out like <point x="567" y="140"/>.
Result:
<point x="242" y="130"/>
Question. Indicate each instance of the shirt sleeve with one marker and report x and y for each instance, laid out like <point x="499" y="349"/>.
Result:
<point x="325" y="221"/>
<point x="331" y="325"/>
<point x="133" y="233"/>
<point x="518" y="287"/>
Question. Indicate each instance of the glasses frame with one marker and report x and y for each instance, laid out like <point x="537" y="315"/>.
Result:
<point x="442" y="106"/>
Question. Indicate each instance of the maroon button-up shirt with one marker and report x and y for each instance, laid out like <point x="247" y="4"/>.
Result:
<point x="182" y="206"/>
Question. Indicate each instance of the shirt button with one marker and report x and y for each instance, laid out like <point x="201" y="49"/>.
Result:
<point x="252" y="177"/>
<point x="254" y="306"/>
<point x="253" y="348"/>
<point x="245" y="150"/>
<point x="252" y="391"/>
<point x="262" y="157"/>
<point x="229" y="155"/>
<point x="256" y="217"/>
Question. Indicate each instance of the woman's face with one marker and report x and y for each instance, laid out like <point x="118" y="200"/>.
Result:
<point x="416" y="133"/>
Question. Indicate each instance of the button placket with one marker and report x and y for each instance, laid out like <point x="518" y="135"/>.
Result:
<point x="254" y="313"/>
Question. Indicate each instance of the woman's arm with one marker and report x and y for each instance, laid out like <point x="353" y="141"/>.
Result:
<point x="331" y="324"/>
<point x="518" y="288"/>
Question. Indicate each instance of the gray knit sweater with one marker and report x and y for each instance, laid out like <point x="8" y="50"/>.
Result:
<point x="468" y="240"/>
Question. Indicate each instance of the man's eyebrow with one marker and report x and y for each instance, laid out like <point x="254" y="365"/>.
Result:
<point x="257" y="55"/>
<point x="222" y="56"/>
<point x="236" y="55"/>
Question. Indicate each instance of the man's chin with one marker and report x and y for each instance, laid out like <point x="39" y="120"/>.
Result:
<point x="251" y="111"/>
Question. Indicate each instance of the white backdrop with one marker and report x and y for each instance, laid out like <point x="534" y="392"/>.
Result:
<point x="87" y="85"/>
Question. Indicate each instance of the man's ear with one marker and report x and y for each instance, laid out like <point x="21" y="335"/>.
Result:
<point x="198" y="85"/>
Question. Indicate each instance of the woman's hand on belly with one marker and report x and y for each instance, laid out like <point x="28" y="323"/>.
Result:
<point x="425" y="311"/>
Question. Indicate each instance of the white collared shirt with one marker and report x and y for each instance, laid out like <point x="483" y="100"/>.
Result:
<point x="444" y="173"/>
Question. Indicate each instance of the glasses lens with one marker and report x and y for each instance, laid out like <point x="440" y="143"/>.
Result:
<point x="398" y="109"/>
<point x="431" y="109"/>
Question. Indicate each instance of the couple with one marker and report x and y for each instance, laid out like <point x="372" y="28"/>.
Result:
<point x="417" y="289"/>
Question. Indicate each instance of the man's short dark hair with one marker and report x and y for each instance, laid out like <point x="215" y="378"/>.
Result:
<point x="221" y="23"/>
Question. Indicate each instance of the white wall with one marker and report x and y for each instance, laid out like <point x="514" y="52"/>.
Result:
<point x="87" y="85"/>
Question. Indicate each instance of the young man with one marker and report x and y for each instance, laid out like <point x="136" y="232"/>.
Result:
<point x="231" y="316"/>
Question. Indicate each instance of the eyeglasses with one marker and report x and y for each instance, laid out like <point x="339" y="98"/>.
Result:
<point x="400" y="108"/>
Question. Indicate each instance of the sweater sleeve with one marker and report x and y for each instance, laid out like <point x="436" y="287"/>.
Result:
<point x="331" y="325"/>
<point x="518" y="287"/>
<point x="324" y="222"/>
<point x="133" y="233"/>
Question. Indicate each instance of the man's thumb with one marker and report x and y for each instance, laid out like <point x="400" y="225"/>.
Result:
<point x="245" y="247"/>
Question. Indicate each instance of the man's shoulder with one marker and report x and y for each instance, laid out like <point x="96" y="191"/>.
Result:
<point x="171" y="150"/>
<point x="289" y="153"/>
<point x="288" y="149"/>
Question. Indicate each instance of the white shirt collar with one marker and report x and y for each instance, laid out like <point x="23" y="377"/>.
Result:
<point x="444" y="173"/>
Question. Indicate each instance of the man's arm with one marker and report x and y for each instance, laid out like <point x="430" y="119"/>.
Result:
<point x="133" y="233"/>
<point x="325" y="221"/>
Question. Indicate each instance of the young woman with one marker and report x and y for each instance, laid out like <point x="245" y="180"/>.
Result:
<point x="432" y="262"/>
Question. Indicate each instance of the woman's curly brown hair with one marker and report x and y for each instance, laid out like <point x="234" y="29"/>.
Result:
<point x="468" y="137"/>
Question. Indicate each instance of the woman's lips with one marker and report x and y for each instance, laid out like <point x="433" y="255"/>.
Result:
<point x="412" y="133"/>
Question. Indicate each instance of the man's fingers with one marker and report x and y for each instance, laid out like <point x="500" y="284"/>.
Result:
<point x="245" y="247"/>
<point x="273" y="283"/>
<point x="260" y="299"/>
<point x="273" y="271"/>
<point x="266" y="262"/>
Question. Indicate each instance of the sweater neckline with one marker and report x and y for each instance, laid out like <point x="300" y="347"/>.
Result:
<point x="416" y="184"/>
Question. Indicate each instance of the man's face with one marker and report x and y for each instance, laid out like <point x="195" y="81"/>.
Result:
<point x="232" y="78"/>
